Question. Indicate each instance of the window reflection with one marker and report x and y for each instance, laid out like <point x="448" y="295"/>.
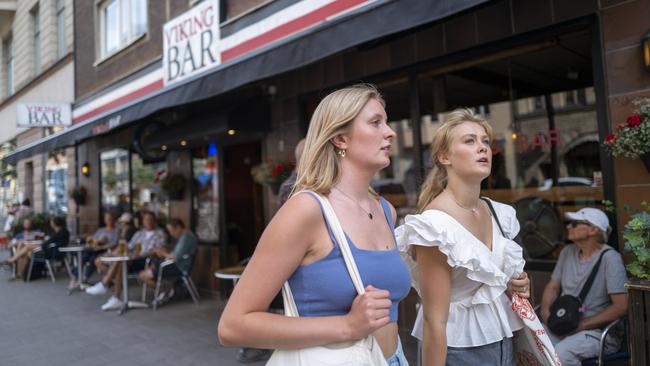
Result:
<point x="205" y="167"/>
<point x="114" y="170"/>
<point x="147" y="193"/>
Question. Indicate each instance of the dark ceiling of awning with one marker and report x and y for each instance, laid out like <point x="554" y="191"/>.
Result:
<point x="382" y="19"/>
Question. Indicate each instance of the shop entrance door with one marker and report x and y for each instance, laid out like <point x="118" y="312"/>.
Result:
<point x="243" y="199"/>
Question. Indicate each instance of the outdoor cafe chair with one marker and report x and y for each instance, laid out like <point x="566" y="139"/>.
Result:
<point x="185" y="277"/>
<point x="36" y="258"/>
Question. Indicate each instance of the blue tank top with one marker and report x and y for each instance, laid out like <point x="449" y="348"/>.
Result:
<point x="324" y="287"/>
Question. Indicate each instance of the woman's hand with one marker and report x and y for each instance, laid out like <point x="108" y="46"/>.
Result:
<point x="520" y="285"/>
<point x="369" y="312"/>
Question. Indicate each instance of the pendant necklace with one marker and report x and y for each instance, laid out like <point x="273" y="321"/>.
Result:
<point x="358" y="204"/>
<point x="472" y="209"/>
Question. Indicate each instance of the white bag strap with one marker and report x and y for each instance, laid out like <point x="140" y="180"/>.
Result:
<point x="290" y="308"/>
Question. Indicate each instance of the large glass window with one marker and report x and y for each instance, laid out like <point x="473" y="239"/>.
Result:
<point x="147" y="193"/>
<point x="205" y="167"/>
<point x="60" y="28"/>
<point x="9" y="66"/>
<point x="121" y="22"/>
<point x="36" y="42"/>
<point x="114" y="170"/>
<point x="56" y="184"/>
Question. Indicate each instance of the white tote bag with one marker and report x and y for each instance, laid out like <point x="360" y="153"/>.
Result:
<point x="531" y="344"/>
<point x="364" y="352"/>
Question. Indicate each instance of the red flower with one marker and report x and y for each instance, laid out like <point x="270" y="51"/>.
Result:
<point x="610" y="139"/>
<point x="633" y="120"/>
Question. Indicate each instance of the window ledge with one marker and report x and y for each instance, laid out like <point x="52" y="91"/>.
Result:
<point x="120" y="50"/>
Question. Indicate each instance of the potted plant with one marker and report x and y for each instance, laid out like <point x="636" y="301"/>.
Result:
<point x="636" y="237"/>
<point x="79" y="194"/>
<point x="272" y="173"/>
<point x="632" y="138"/>
<point x="174" y="186"/>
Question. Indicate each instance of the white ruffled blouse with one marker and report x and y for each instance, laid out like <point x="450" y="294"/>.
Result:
<point x="480" y="311"/>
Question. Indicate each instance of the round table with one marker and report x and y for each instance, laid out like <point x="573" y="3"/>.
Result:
<point x="80" y="274"/>
<point x="230" y="273"/>
<point x="126" y="304"/>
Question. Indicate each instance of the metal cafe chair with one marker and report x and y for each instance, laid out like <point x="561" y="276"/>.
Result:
<point x="185" y="277"/>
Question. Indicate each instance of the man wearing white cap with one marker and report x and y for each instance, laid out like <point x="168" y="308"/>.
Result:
<point x="606" y="299"/>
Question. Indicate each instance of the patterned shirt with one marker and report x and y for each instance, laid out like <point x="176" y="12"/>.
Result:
<point x="150" y="240"/>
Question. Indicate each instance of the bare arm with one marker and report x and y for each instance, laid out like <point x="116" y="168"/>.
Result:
<point x="435" y="289"/>
<point x="616" y="310"/>
<point x="284" y="244"/>
<point x="551" y="292"/>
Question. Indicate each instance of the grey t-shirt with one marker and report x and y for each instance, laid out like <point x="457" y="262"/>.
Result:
<point x="572" y="272"/>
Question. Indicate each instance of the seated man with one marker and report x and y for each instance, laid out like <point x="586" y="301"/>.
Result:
<point x="105" y="239"/>
<point x="606" y="300"/>
<point x="150" y="238"/>
<point x="184" y="251"/>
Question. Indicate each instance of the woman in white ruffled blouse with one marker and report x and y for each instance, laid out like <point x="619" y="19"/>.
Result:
<point x="462" y="266"/>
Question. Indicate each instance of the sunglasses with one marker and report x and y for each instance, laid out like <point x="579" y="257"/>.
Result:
<point x="578" y="222"/>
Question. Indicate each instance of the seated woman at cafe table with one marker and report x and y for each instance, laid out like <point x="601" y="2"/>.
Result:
<point x="26" y="234"/>
<point x="150" y="238"/>
<point x="182" y="255"/>
<point x="59" y="238"/>
<point x="105" y="239"/>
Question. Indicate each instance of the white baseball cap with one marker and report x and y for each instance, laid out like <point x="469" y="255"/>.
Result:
<point x="593" y="216"/>
<point x="126" y="217"/>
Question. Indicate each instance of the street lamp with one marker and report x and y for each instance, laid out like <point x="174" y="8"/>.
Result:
<point x="645" y="48"/>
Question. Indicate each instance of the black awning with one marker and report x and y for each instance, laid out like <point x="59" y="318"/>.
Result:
<point x="382" y="19"/>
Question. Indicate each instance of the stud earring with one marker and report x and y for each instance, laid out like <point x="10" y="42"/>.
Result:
<point x="341" y="152"/>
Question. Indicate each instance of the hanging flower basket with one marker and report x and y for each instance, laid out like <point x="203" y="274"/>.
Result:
<point x="79" y="194"/>
<point x="272" y="173"/>
<point x="632" y="138"/>
<point x="174" y="186"/>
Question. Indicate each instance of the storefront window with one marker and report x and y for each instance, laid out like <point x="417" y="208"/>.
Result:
<point x="114" y="172"/>
<point x="147" y="193"/>
<point x="545" y="163"/>
<point x="56" y="184"/>
<point x="205" y="167"/>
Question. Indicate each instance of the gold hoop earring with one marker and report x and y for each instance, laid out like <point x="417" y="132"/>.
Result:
<point x="342" y="152"/>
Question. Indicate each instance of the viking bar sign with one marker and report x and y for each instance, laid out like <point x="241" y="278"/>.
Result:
<point x="43" y="114"/>
<point x="191" y="42"/>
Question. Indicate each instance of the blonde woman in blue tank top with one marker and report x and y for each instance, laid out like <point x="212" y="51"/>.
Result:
<point x="348" y="142"/>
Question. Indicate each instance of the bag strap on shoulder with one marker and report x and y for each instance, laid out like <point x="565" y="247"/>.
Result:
<point x="494" y="214"/>
<point x="592" y="276"/>
<point x="290" y="307"/>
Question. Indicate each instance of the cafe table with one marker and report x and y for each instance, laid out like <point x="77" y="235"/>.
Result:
<point x="230" y="273"/>
<point x="80" y="273"/>
<point x="126" y="303"/>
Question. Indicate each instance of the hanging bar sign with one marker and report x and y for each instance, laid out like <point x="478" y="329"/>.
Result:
<point x="43" y="114"/>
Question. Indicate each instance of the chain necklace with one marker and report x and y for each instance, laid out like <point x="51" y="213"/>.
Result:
<point x="355" y="201"/>
<point x="472" y="209"/>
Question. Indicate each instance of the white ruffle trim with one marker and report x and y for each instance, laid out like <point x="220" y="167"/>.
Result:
<point x="436" y="228"/>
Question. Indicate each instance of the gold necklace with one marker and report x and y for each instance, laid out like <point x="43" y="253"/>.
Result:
<point x="472" y="209"/>
<point x="355" y="201"/>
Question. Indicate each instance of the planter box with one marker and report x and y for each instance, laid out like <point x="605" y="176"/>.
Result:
<point x="639" y="319"/>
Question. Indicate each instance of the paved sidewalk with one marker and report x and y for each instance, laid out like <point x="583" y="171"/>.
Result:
<point x="41" y="325"/>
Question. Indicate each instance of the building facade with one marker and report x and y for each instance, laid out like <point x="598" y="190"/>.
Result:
<point x="37" y="67"/>
<point x="206" y="90"/>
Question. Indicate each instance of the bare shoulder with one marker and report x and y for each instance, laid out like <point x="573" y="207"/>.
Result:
<point x="301" y="209"/>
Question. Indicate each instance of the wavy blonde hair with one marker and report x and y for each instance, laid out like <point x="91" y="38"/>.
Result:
<point x="436" y="180"/>
<point x="319" y="168"/>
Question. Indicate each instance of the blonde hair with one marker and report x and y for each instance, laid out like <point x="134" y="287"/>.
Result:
<point x="436" y="180"/>
<point x="319" y="168"/>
